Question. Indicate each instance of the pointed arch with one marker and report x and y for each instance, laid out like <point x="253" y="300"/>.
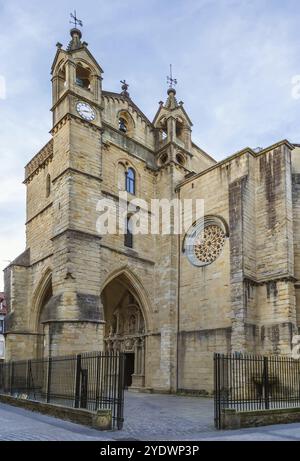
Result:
<point x="48" y="185"/>
<point x="38" y="297"/>
<point x="125" y="122"/>
<point x="130" y="180"/>
<point x="135" y="285"/>
<point x="122" y="166"/>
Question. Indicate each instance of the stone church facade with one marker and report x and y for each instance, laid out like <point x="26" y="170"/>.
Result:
<point x="167" y="305"/>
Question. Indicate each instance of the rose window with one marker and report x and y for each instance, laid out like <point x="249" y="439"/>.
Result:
<point x="208" y="247"/>
<point x="205" y="242"/>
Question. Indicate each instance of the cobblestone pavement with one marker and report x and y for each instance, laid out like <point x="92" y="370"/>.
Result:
<point x="147" y="417"/>
<point x="158" y="416"/>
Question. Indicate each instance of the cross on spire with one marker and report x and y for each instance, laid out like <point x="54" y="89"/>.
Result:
<point x="170" y="80"/>
<point x="76" y="21"/>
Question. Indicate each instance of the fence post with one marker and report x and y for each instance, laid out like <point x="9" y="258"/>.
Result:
<point x="1" y="378"/>
<point x="77" y="380"/>
<point x="99" y="356"/>
<point x="217" y="401"/>
<point x="48" y="395"/>
<point x="120" y="405"/>
<point x="11" y="376"/>
<point x="28" y="377"/>
<point x="266" y="383"/>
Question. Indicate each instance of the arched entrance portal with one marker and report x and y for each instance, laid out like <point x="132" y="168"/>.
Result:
<point x="125" y="328"/>
<point x="42" y="328"/>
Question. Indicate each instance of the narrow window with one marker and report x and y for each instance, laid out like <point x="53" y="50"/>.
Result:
<point x="48" y="185"/>
<point x="83" y="77"/>
<point x="130" y="181"/>
<point x="128" y="241"/>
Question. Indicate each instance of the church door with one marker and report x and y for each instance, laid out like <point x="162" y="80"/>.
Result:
<point x="128" y="369"/>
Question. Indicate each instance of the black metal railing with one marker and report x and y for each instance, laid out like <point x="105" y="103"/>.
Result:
<point x="93" y="381"/>
<point x="250" y="382"/>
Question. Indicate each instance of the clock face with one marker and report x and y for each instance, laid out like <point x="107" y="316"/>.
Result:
<point x="85" y="111"/>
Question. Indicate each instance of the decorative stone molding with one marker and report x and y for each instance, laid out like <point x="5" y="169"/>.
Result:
<point x="40" y="160"/>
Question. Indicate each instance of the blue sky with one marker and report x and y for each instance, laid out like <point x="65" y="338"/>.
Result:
<point x="234" y="61"/>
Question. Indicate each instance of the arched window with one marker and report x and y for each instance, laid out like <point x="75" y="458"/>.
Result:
<point x="179" y="129"/>
<point x="128" y="240"/>
<point x="61" y="80"/>
<point x="130" y="181"/>
<point x="123" y="125"/>
<point x="163" y="130"/>
<point x="83" y="77"/>
<point x="48" y="185"/>
<point x="180" y="159"/>
<point x="125" y="122"/>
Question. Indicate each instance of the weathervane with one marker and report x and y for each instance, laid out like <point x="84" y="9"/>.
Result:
<point x="171" y="81"/>
<point x="76" y="21"/>
<point x="125" y="87"/>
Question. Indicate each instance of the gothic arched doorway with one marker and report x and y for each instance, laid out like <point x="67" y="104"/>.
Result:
<point x="125" y="328"/>
<point x="43" y="346"/>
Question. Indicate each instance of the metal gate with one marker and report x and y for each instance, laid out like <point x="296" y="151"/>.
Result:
<point x="92" y="380"/>
<point x="252" y="382"/>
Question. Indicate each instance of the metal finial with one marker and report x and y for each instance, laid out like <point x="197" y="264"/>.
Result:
<point x="125" y="87"/>
<point x="76" y="21"/>
<point x="170" y="80"/>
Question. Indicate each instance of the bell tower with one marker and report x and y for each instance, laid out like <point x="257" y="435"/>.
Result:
<point x="173" y="159"/>
<point x="76" y="77"/>
<point x="173" y="130"/>
<point x="77" y="312"/>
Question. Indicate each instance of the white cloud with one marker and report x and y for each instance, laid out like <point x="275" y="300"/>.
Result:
<point x="234" y="61"/>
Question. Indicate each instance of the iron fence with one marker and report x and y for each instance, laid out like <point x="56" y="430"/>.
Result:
<point x="91" y="380"/>
<point x="249" y="382"/>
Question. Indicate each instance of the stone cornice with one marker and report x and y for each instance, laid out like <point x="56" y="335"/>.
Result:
<point x="39" y="213"/>
<point x="73" y="321"/>
<point x="122" y="97"/>
<point x="247" y="150"/>
<point x="77" y="231"/>
<point x="113" y="128"/>
<point x="39" y="161"/>
<point x="116" y="198"/>
<point x="176" y="146"/>
<point x="172" y="163"/>
<point x="22" y="333"/>
<point x="76" y="95"/>
<point x="75" y="170"/>
<point x="129" y="253"/>
<point x="264" y="281"/>
<point x="41" y="260"/>
<point x="69" y="116"/>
